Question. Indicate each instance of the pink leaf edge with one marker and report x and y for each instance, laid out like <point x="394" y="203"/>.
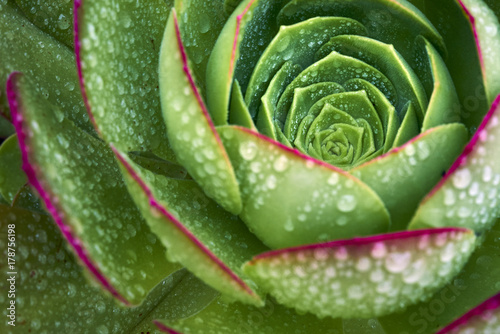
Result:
<point x="472" y="21"/>
<point x="78" y="56"/>
<point x="194" y="88"/>
<point x="489" y="305"/>
<point x="469" y="148"/>
<point x="164" y="328"/>
<point x="154" y="203"/>
<point x="239" y="19"/>
<point x="361" y="241"/>
<point x="57" y="214"/>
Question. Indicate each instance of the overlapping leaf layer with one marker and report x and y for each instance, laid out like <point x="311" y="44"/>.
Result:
<point x="309" y="162"/>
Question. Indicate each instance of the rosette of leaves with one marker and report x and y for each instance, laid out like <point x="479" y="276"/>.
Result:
<point x="315" y="166"/>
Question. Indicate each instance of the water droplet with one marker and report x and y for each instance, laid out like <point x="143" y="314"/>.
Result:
<point x="280" y="164"/>
<point x="423" y="151"/>
<point x="289" y="225"/>
<point x="347" y="203"/>
<point x="63" y="22"/>
<point x="491" y="30"/>
<point x="271" y="181"/>
<point x="487" y="174"/>
<point x="462" y="178"/>
<point x="283" y="44"/>
<point x="410" y="150"/>
<point x="333" y="179"/>
<point x="379" y="250"/>
<point x="449" y="197"/>
<point x="248" y="150"/>
<point x="464" y="212"/>
<point x="204" y="25"/>
<point x="397" y="262"/>
<point x="102" y="329"/>
<point x="363" y="264"/>
<point x="413" y="273"/>
<point x="448" y="253"/>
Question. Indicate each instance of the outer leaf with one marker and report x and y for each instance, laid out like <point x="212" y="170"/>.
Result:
<point x="82" y="189"/>
<point x="52" y="65"/>
<point x="222" y="318"/>
<point x="200" y="24"/>
<point x="477" y="281"/>
<point x="443" y="106"/>
<point x="458" y="36"/>
<point x="406" y="174"/>
<point x="485" y="318"/>
<point x="52" y="294"/>
<point x="202" y="236"/>
<point x="117" y="57"/>
<point x="468" y="196"/>
<point x="363" y="277"/>
<point x="12" y="177"/>
<point x="190" y="129"/>
<point x="288" y="197"/>
<point x="222" y="62"/>
<point x="486" y="31"/>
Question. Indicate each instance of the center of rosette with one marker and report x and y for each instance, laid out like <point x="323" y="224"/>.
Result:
<point x="342" y="129"/>
<point x="326" y="88"/>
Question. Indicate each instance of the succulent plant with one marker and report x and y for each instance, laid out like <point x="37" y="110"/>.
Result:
<point x="256" y="166"/>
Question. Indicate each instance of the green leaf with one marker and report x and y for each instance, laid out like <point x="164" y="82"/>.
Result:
<point x="190" y="129"/>
<point x="303" y="99"/>
<point x="391" y="22"/>
<point x="364" y="277"/>
<point x="387" y="60"/>
<point x="82" y="188"/>
<point x="296" y="45"/>
<point x="51" y="64"/>
<point x="159" y="166"/>
<point x="222" y="318"/>
<point x="117" y="57"/>
<point x="200" y="23"/>
<point x="12" y="178"/>
<point x="486" y="27"/>
<point x="443" y="105"/>
<point x="197" y="232"/>
<point x="238" y="112"/>
<point x="409" y="127"/>
<point x="267" y="113"/>
<point x="385" y="110"/>
<point x="403" y="176"/>
<point x="287" y="197"/>
<point x="339" y="69"/>
<point x="463" y="61"/>
<point x="27" y="199"/>
<point x="476" y="282"/>
<point x="6" y="128"/>
<point x="53" y="17"/>
<point x="52" y="292"/>
<point x="468" y="195"/>
<point x="223" y="59"/>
